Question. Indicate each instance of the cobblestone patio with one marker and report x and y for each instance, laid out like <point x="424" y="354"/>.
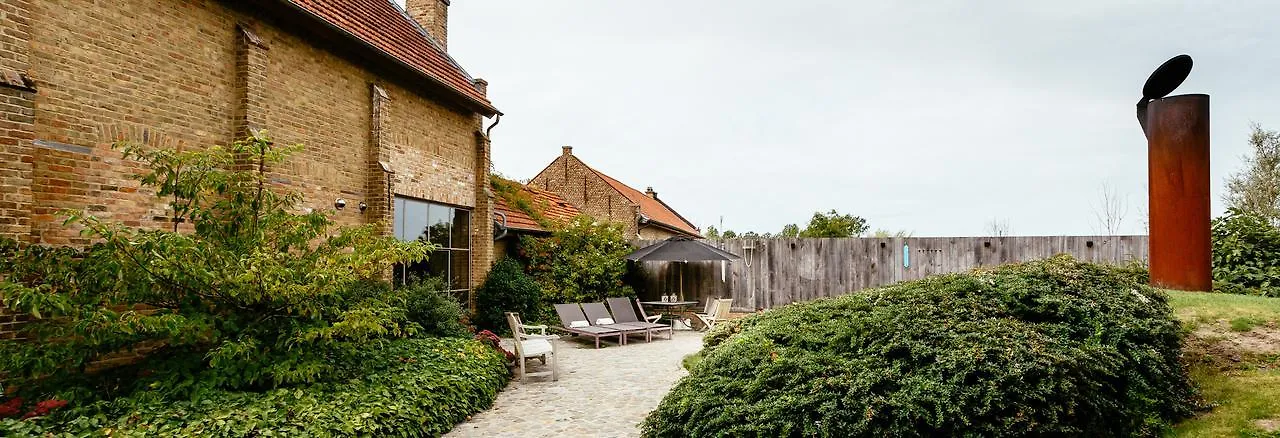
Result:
<point x="601" y="393"/>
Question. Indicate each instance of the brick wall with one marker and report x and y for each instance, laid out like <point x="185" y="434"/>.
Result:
<point x="176" y="73"/>
<point x="656" y="233"/>
<point x="574" y="181"/>
<point x="155" y="72"/>
<point x="192" y="73"/>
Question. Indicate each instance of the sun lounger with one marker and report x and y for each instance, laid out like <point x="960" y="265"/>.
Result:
<point x="625" y="313"/>
<point x="599" y="316"/>
<point x="572" y="320"/>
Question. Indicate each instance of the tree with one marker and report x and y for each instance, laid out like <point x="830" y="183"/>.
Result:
<point x="790" y="231"/>
<point x="258" y="293"/>
<point x="711" y="233"/>
<point x="1256" y="189"/>
<point x="998" y="227"/>
<point x="834" y="224"/>
<point x="729" y="234"/>
<point x="1110" y="210"/>
<point x="582" y="261"/>
<point x="886" y="234"/>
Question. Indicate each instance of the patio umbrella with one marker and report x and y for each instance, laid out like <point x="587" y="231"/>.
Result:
<point x="681" y="249"/>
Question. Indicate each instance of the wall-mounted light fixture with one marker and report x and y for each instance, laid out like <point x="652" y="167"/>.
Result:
<point x="340" y="204"/>
<point x="363" y="206"/>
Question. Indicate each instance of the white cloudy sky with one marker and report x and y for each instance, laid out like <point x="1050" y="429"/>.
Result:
<point x="930" y="116"/>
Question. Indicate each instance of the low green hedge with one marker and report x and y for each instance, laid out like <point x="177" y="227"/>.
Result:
<point x="1053" y="347"/>
<point x="411" y="387"/>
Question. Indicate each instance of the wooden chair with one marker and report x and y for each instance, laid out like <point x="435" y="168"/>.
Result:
<point x="717" y="310"/>
<point x="533" y="346"/>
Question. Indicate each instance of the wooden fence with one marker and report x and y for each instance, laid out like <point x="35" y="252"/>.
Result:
<point x="777" y="272"/>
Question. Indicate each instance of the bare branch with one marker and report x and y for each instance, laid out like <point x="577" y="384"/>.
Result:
<point x="998" y="227"/>
<point x="1110" y="211"/>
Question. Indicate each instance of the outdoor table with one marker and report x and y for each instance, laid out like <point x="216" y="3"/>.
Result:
<point x="671" y="309"/>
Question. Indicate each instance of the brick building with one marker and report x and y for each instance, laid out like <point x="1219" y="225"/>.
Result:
<point x="390" y="123"/>
<point x="644" y="215"/>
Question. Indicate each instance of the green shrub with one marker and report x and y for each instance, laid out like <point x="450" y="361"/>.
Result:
<point x="507" y="289"/>
<point x="1246" y="255"/>
<point x="1135" y="270"/>
<point x="430" y="304"/>
<point x="1047" y="348"/>
<point x="257" y="290"/>
<point x="426" y="302"/>
<point x="411" y="387"/>
<point x="583" y="261"/>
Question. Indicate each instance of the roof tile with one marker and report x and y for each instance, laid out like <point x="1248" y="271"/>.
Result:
<point x="383" y="25"/>
<point x="553" y="207"/>
<point x="654" y="209"/>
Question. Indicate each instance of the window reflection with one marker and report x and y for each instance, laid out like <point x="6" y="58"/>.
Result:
<point x="445" y="226"/>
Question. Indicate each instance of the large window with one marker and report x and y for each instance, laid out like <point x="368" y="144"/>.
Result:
<point x="445" y="226"/>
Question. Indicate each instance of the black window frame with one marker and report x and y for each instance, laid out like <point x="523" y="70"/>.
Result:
<point x="406" y="209"/>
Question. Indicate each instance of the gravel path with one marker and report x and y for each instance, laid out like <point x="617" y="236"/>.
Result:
<point x="601" y="393"/>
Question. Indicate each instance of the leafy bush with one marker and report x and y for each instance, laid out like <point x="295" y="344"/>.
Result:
<point x="430" y="304"/>
<point x="583" y="261"/>
<point x="411" y="387"/>
<point x="507" y="289"/>
<point x="426" y="302"/>
<point x="1246" y="254"/>
<point x="1054" y="347"/>
<point x="256" y="290"/>
<point x="1135" y="270"/>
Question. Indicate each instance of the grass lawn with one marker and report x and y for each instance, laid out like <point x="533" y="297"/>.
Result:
<point x="1235" y="361"/>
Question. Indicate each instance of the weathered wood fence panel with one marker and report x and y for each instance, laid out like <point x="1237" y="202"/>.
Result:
<point x="777" y="272"/>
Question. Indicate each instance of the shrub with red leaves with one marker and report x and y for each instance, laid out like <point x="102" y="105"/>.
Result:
<point x="11" y="408"/>
<point x="45" y="407"/>
<point x="494" y="341"/>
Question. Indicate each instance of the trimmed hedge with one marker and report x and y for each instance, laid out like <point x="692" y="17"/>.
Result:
<point x="411" y="387"/>
<point x="1054" y="347"/>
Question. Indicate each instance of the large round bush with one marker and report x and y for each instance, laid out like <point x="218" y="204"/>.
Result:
<point x="1053" y="347"/>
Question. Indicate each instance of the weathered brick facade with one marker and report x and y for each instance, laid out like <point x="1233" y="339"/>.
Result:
<point x="81" y="75"/>
<point x="597" y="195"/>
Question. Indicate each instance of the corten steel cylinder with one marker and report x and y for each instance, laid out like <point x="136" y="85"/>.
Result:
<point x="1178" y="176"/>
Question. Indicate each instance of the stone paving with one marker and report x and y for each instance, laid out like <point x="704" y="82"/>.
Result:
<point x="601" y="393"/>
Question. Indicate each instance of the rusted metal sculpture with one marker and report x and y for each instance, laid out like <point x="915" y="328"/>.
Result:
<point x="1177" y="130"/>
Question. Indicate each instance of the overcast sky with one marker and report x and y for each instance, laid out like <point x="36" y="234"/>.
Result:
<point x="930" y="116"/>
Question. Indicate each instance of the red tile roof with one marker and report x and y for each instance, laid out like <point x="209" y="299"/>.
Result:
<point x="654" y="209"/>
<point x="551" y="206"/>
<point x="383" y="25"/>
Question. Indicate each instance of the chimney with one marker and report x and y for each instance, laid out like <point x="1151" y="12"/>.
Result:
<point x="649" y="191"/>
<point x="482" y="86"/>
<point x="432" y="15"/>
<point x="566" y="150"/>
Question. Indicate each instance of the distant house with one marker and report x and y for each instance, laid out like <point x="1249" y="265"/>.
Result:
<point x="643" y="214"/>
<point x="521" y="210"/>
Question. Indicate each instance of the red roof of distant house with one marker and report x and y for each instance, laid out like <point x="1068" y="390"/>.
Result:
<point x="381" y="24"/>
<point x="551" y="206"/>
<point x="653" y="208"/>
